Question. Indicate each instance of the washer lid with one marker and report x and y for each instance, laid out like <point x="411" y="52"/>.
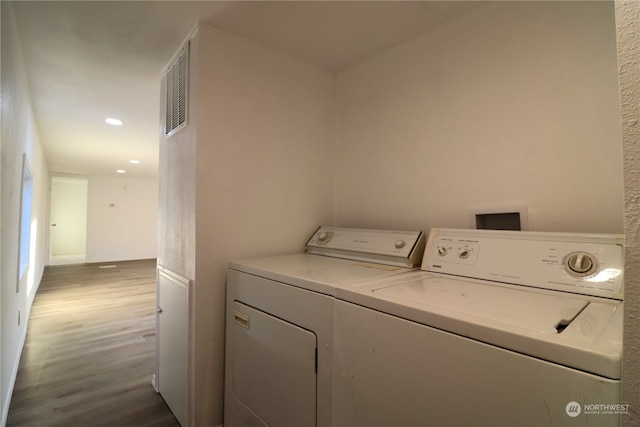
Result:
<point x="576" y="331"/>
<point x="538" y="312"/>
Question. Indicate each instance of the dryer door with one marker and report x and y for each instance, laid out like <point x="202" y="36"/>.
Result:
<point x="274" y="371"/>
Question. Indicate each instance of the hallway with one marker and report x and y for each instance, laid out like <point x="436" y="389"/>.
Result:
<point x="89" y="355"/>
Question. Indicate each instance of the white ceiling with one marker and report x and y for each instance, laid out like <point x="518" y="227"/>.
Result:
<point x="89" y="60"/>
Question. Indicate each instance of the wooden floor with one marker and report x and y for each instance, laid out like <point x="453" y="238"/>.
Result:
<point x="89" y="355"/>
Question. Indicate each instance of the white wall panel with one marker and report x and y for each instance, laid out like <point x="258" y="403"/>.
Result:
<point x="251" y="174"/>
<point x="513" y="103"/>
<point x="121" y="219"/>
<point x="19" y="135"/>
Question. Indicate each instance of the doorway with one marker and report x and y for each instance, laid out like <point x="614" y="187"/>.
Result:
<point x="68" y="236"/>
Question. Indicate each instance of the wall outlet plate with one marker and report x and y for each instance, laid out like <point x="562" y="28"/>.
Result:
<point x="503" y="217"/>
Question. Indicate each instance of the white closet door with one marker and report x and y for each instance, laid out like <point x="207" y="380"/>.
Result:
<point x="172" y="342"/>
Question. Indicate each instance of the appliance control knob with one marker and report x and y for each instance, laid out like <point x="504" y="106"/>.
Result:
<point x="580" y="264"/>
<point x="442" y="251"/>
<point x="400" y="244"/>
<point x="465" y="254"/>
<point x="324" y="237"/>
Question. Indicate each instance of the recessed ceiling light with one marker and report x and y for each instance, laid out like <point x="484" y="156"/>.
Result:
<point x="115" y="122"/>
<point x="121" y="171"/>
<point x="134" y="162"/>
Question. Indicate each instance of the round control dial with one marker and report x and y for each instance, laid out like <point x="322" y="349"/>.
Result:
<point x="580" y="264"/>
<point x="442" y="251"/>
<point x="324" y="237"/>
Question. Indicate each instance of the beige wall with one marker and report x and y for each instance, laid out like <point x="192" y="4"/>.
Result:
<point x="512" y="103"/>
<point x="121" y="219"/>
<point x="260" y="137"/>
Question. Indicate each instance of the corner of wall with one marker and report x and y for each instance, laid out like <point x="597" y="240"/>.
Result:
<point x="628" y="39"/>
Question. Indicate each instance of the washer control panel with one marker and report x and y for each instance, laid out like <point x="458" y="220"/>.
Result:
<point x="402" y="248"/>
<point x="587" y="264"/>
<point x="460" y="252"/>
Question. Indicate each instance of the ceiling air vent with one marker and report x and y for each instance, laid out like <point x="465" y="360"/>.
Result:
<point x="175" y="93"/>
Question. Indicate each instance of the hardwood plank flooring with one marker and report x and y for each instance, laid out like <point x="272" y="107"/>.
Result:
<point x="89" y="354"/>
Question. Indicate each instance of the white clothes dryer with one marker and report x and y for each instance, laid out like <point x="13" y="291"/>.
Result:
<point x="499" y="328"/>
<point x="279" y="322"/>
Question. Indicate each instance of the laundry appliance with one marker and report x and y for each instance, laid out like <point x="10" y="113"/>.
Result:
<point x="279" y="322"/>
<point x="498" y="328"/>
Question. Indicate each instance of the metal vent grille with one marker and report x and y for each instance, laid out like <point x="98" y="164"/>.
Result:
<point x="175" y="93"/>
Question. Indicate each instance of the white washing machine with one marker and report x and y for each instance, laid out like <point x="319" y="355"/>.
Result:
<point x="499" y="328"/>
<point x="279" y="322"/>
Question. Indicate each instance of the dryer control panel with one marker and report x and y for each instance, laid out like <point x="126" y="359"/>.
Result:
<point x="588" y="264"/>
<point x="400" y="248"/>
